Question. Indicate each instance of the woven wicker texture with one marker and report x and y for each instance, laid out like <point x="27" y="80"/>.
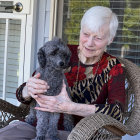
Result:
<point x="10" y="112"/>
<point x="96" y="126"/>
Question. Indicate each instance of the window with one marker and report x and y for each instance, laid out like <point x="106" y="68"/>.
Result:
<point x="9" y="58"/>
<point x="127" y="41"/>
<point x="12" y="42"/>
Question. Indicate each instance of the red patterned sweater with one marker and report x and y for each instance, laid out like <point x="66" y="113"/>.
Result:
<point x="102" y="84"/>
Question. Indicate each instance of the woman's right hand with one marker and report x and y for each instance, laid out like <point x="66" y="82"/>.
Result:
<point x="34" y="86"/>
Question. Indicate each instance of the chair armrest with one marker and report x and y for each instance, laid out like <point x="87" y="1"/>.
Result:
<point x="10" y="112"/>
<point x="88" y="127"/>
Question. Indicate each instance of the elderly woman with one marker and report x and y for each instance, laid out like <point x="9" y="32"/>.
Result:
<point x="95" y="78"/>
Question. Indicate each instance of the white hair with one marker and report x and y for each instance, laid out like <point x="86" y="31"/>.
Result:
<point x="97" y="16"/>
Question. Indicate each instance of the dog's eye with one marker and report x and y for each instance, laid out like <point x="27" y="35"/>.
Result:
<point x="64" y="55"/>
<point x="53" y="52"/>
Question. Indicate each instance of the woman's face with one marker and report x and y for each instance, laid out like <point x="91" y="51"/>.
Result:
<point x="92" y="44"/>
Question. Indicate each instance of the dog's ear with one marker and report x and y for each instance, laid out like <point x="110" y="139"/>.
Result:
<point x="41" y="58"/>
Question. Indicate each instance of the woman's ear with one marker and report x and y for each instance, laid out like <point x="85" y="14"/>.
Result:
<point x="41" y="58"/>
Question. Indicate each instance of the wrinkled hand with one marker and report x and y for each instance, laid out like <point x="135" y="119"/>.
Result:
<point x="36" y="86"/>
<point x="60" y="103"/>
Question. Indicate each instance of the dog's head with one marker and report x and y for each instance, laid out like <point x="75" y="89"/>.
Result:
<point x="54" y="54"/>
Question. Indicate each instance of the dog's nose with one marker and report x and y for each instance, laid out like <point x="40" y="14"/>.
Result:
<point x="61" y="64"/>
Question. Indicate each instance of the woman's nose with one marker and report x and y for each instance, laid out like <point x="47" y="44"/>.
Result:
<point x="90" y="41"/>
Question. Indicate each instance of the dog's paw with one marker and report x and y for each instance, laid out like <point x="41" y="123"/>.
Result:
<point x="40" y="138"/>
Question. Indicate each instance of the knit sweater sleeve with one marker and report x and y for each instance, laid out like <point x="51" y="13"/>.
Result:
<point x="19" y="93"/>
<point x="116" y="94"/>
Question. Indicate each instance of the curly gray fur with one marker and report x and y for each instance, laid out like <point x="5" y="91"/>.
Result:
<point x="53" y="58"/>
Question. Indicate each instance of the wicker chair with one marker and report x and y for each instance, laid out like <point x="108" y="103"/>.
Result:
<point x="96" y="126"/>
<point x="10" y="112"/>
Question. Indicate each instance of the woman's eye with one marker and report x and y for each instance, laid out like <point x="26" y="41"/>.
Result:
<point x="98" y="38"/>
<point x="86" y="34"/>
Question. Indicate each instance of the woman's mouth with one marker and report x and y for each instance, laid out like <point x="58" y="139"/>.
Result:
<point x="88" y="49"/>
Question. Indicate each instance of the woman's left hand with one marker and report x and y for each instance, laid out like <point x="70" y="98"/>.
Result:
<point x="60" y="103"/>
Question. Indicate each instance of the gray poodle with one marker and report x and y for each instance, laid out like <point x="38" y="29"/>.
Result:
<point x="53" y="59"/>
